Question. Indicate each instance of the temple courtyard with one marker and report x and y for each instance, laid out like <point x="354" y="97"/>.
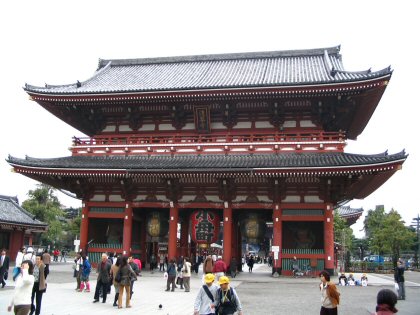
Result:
<point x="259" y="293"/>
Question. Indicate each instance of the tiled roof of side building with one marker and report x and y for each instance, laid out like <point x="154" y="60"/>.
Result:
<point x="210" y="162"/>
<point x="12" y="213"/>
<point x="346" y="211"/>
<point x="206" y="72"/>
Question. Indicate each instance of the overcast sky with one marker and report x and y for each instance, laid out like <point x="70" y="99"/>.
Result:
<point x="59" y="42"/>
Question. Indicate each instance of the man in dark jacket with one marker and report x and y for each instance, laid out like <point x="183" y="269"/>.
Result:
<point x="4" y="267"/>
<point x="399" y="278"/>
<point x="103" y="271"/>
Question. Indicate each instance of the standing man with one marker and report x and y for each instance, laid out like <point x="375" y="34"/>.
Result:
<point x="4" y="267"/>
<point x="399" y="278"/>
<point x="103" y="271"/>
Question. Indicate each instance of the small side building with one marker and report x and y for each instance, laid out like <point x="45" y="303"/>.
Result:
<point x="18" y="227"/>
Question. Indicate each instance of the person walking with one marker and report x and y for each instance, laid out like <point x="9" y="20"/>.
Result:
<point x="385" y="302"/>
<point x="103" y="271"/>
<point x="29" y="255"/>
<point x="330" y="297"/>
<point x="233" y="267"/>
<point x="136" y="270"/>
<point x="78" y="261"/>
<point x="21" y="301"/>
<point x="227" y="301"/>
<point x="399" y="279"/>
<point x="162" y="262"/>
<point x="205" y="301"/>
<point x="114" y="272"/>
<point x="171" y="269"/>
<point x="63" y="255"/>
<point x="208" y="265"/>
<point x="126" y="274"/>
<point x="39" y="287"/>
<point x="85" y="273"/>
<point x="186" y="274"/>
<point x="219" y="268"/>
<point x="4" y="267"/>
<point x="18" y="263"/>
<point x="251" y="263"/>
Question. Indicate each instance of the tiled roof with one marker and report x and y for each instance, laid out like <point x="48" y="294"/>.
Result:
<point x="288" y="161"/>
<point x="346" y="211"/>
<point x="241" y="70"/>
<point x="13" y="214"/>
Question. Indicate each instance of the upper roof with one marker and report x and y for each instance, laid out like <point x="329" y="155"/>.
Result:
<point x="14" y="215"/>
<point x="180" y="163"/>
<point x="206" y="72"/>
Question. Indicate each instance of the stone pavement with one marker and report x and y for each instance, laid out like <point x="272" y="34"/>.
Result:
<point x="258" y="291"/>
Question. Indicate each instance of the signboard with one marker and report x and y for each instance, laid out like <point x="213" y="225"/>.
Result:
<point x="275" y="248"/>
<point x="276" y="255"/>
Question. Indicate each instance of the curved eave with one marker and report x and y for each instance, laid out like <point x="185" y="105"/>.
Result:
<point x="390" y="166"/>
<point x="234" y="92"/>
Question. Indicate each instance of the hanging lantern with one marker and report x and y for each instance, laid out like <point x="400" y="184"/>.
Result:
<point x="204" y="226"/>
<point x="157" y="225"/>
<point x="253" y="228"/>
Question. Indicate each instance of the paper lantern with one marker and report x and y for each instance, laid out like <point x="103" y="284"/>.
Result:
<point x="204" y="226"/>
<point x="253" y="228"/>
<point x="157" y="225"/>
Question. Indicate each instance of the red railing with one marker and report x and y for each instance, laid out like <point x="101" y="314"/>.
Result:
<point x="134" y="144"/>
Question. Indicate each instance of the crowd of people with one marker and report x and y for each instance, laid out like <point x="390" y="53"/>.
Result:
<point x="215" y="296"/>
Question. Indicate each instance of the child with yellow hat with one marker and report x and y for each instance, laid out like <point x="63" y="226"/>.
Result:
<point x="204" y="302"/>
<point x="227" y="300"/>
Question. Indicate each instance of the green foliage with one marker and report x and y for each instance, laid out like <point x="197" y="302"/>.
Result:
<point x="393" y="236"/>
<point x="46" y="207"/>
<point x="386" y="233"/>
<point x="343" y="234"/>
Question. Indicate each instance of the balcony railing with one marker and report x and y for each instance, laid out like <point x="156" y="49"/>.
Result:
<point x="213" y="144"/>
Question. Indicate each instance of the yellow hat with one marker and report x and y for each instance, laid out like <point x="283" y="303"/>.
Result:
<point x="223" y="280"/>
<point x="208" y="278"/>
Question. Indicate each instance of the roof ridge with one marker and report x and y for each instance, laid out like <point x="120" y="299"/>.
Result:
<point x="217" y="57"/>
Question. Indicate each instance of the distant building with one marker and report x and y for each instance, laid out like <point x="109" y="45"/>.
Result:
<point x="18" y="227"/>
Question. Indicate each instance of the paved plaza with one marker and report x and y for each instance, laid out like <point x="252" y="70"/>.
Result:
<point x="258" y="291"/>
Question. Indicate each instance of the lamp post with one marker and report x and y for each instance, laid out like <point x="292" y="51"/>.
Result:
<point x="416" y="225"/>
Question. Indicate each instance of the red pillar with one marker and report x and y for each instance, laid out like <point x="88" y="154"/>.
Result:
<point x="173" y="226"/>
<point x="277" y="239"/>
<point x="329" y="238"/>
<point x="227" y="234"/>
<point x="128" y="228"/>
<point x="84" y="225"/>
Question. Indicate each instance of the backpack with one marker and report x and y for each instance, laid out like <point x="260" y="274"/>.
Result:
<point x="231" y="295"/>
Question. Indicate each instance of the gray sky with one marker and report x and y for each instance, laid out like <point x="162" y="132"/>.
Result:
<point x="59" y="42"/>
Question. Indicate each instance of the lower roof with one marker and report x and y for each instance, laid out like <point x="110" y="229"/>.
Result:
<point x="197" y="163"/>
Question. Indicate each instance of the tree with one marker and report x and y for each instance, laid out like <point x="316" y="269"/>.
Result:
<point x="373" y="222"/>
<point x="343" y="235"/>
<point x="46" y="207"/>
<point x="393" y="236"/>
